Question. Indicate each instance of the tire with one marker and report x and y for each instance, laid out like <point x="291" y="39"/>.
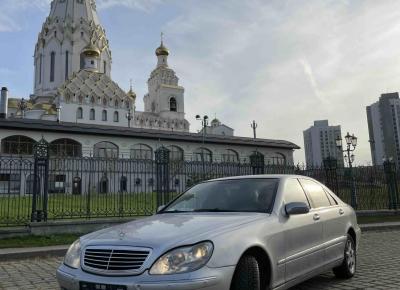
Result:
<point x="247" y="275"/>
<point x="348" y="268"/>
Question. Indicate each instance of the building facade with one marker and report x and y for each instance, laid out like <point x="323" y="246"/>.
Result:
<point x="320" y="143"/>
<point x="384" y="128"/>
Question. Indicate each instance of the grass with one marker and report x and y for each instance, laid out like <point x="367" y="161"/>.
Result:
<point x="38" y="241"/>
<point x="17" y="209"/>
<point x="378" y="219"/>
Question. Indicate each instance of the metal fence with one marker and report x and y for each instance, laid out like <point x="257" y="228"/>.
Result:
<point x="42" y="188"/>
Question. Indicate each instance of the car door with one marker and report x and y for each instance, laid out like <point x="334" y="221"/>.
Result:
<point x="330" y="216"/>
<point x="303" y="235"/>
<point x="334" y="229"/>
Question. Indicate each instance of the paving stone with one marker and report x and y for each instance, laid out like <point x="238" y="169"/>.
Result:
<point x="378" y="268"/>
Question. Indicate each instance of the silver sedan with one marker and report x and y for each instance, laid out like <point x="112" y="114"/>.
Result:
<point x="239" y="233"/>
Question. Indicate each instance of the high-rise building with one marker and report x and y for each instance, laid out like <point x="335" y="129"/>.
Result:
<point x="320" y="143"/>
<point x="383" y="126"/>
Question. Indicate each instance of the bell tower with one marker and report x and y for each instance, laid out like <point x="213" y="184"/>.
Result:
<point x="71" y="27"/>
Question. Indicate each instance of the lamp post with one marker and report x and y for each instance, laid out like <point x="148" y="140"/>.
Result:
<point x="129" y="116"/>
<point x="204" y="124"/>
<point x="351" y="144"/>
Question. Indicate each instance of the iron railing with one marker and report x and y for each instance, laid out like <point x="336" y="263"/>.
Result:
<point x="43" y="187"/>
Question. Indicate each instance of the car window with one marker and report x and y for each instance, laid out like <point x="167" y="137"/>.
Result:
<point x="293" y="192"/>
<point x="331" y="199"/>
<point x="235" y="195"/>
<point x="316" y="193"/>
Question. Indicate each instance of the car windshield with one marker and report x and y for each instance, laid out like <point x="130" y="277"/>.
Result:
<point x="234" y="195"/>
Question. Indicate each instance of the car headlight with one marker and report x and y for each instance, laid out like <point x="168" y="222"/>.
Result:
<point x="73" y="257"/>
<point x="182" y="260"/>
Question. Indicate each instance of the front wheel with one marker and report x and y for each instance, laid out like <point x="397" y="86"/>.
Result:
<point x="348" y="268"/>
<point x="247" y="274"/>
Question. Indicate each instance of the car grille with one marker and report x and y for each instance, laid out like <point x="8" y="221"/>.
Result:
<point x="114" y="261"/>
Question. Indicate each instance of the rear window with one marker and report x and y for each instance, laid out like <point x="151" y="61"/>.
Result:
<point x="316" y="193"/>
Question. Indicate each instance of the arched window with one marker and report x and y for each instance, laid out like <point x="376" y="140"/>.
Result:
<point x="65" y="148"/>
<point x="80" y="99"/>
<point x="17" y="145"/>
<point x="104" y="115"/>
<point x="141" y="152"/>
<point x="104" y="102"/>
<point x="175" y="153"/>
<point x="116" y="103"/>
<point x="66" y="64"/>
<point x="116" y="116"/>
<point x="92" y="114"/>
<point x="52" y="65"/>
<point x="103" y="185"/>
<point x="279" y="159"/>
<point x="123" y="187"/>
<point x="230" y="156"/>
<point x="203" y="154"/>
<point x="92" y="100"/>
<point x="79" y="113"/>
<point x="172" y="105"/>
<point x="106" y="150"/>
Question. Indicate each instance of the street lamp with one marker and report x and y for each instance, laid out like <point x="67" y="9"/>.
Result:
<point x="23" y="106"/>
<point x="204" y="124"/>
<point x="351" y="144"/>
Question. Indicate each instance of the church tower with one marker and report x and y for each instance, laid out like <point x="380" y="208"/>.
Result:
<point x="165" y="97"/>
<point x="71" y="27"/>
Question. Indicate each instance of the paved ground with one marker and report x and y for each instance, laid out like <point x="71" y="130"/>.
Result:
<point x="378" y="268"/>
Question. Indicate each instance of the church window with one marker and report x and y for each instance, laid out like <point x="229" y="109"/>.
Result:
<point x="105" y="66"/>
<point x="80" y="99"/>
<point x="172" y="105"/>
<point x="55" y="33"/>
<point x="40" y="68"/>
<point x="17" y="145"/>
<point x="141" y="152"/>
<point x="175" y="153"/>
<point x="116" y="104"/>
<point x="106" y="150"/>
<point x="92" y="62"/>
<point x="104" y="115"/>
<point x="116" y="116"/>
<point x="82" y="34"/>
<point x="79" y="113"/>
<point x="230" y="156"/>
<point x="203" y="155"/>
<point x="65" y="148"/>
<point x="92" y="100"/>
<point x="66" y="64"/>
<point x="92" y="114"/>
<point x="52" y="65"/>
<point x="104" y="102"/>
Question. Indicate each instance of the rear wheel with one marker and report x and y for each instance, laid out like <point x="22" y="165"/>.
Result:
<point x="247" y="274"/>
<point x="348" y="268"/>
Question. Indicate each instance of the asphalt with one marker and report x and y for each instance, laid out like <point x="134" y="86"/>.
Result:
<point x="10" y="254"/>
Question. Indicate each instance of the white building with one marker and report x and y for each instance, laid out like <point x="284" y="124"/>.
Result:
<point x="384" y="128"/>
<point x="81" y="112"/>
<point x="319" y="143"/>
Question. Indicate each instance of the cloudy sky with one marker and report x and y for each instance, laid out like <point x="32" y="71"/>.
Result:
<point x="284" y="63"/>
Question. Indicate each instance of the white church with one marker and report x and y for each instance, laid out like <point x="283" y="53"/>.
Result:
<point x="82" y="112"/>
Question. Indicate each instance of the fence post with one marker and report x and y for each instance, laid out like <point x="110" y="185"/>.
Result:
<point x="390" y="173"/>
<point x="257" y="163"/>
<point x="162" y="175"/>
<point x="330" y="168"/>
<point x="41" y="179"/>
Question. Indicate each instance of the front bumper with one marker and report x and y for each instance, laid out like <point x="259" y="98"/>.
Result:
<point x="205" y="279"/>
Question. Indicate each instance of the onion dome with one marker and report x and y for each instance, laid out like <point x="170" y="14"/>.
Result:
<point x="91" y="50"/>
<point x="162" y="50"/>
<point x="215" y="122"/>
<point x="131" y="94"/>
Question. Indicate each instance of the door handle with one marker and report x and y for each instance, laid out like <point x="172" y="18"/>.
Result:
<point x="341" y="211"/>
<point x="316" y="217"/>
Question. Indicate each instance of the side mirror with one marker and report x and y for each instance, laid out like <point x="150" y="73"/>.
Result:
<point x="160" y="208"/>
<point x="294" y="208"/>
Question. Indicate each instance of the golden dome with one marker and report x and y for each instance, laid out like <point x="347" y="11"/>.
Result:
<point x="162" y="50"/>
<point x="131" y="94"/>
<point x="91" y="50"/>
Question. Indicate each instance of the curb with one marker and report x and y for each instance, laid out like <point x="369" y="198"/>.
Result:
<point x="31" y="253"/>
<point x="60" y="251"/>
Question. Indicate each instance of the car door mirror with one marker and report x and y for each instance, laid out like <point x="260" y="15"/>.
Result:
<point x="160" y="208"/>
<point x="295" y="208"/>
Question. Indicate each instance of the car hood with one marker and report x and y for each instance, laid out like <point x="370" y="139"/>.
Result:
<point x="168" y="230"/>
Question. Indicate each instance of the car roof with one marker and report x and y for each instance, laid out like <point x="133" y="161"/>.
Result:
<point x="261" y="176"/>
